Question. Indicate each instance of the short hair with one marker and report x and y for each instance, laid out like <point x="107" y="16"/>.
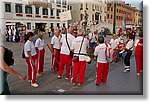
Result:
<point x="141" y="33"/>
<point x="101" y="39"/>
<point x="130" y="36"/>
<point x="29" y="34"/>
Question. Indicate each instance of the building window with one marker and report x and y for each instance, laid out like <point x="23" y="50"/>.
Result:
<point x="92" y="17"/>
<point x="18" y="8"/>
<point x="52" y="25"/>
<point x="107" y="16"/>
<point x="111" y="8"/>
<point x="58" y="1"/>
<point x="81" y="8"/>
<point x="37" y="10"/>
<point x="86" y="6"/>
<point x="70" y="7"/>
<point x="52" y="12"/>
<point x="52" y="1"/>
<point x="64" y="25"/>
<point x="81" y="17"/>
<point x="57" y="12"/>
<point x="29" y="26"/>
<point x="64" y="2"/>
<point x="58" y="25"/>
<point x="7" y="7"/>
<point x="108" y="8"/>
<point x="28" y="9"/>
<point x="45" y="11"/>
<point x="111" y="16"/>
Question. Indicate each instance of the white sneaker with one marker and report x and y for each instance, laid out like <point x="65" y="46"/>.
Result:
<point x="138" y="74"/>
<point x="35" y="85"/>
<point x="66" y="78"/>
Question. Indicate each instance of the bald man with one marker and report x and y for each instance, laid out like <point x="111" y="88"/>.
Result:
<point x="55" y="45"/>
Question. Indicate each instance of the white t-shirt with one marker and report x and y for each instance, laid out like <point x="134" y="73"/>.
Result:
<point x="114" y="43"/>
<point x="92" y="37"/>
<point x="100" y="52"/>
<point x="129" y="45"/>
<point x="55" y="41"/>
<point x="64" y="48"/>
<point x="29" y="46"/>
<point x="76" y="44"/>
<point x="39" y="44"/>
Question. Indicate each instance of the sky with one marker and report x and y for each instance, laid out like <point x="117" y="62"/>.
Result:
<point x="135" y="3"/>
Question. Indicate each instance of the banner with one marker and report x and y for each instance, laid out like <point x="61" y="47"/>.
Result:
<point x="65" y="16"/>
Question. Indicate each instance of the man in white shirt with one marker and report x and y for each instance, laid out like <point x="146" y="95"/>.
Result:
<point x="79" y="47"/>
<point x="102" y="52"/>
<point x="55" y="45"/>
<point x="129" y="48"/>
<point x="65" y="58"/>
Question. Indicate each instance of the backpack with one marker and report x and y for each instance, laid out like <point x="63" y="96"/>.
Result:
<point x="8" y="57"/>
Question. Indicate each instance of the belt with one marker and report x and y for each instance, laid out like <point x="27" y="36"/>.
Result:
<point x="80" y="54"/>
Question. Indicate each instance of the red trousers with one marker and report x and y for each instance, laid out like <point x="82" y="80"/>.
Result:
<point x="55" y="60"/>
<point x="139" y="61"/>
<point x="78" y="70"/>
<point x="65" y="60"/>
<point x="114" y="55"/>
<point x="101" y="72"/>
<point x="40" y="60"/>
<point x="32" y="68"/>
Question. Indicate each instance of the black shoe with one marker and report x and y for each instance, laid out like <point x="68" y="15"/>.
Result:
<point x="97" y="84"/>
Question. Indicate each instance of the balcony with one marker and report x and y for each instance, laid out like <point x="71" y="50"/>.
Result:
<point x="38" y="16"/>
<point x="58" y="17"/>
<point x="58" y="5"/>
<point x="52" y="17"/>
<point x="46" y="16"/>
<point x="19" y="14"/>
<point x="28" y="15"/>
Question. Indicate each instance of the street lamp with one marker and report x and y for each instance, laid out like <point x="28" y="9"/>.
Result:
<point x="114" y="23"/>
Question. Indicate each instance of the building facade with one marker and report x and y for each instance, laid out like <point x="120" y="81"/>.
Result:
<point x="34" y="14"/>
<point x="124" y="13"/>
<point x="96" y="10"/>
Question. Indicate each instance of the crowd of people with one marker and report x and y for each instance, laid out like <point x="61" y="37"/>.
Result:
<point x="72" y="48"/>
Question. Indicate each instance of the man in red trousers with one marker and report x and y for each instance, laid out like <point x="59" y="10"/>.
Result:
<point x="102" y="53"/>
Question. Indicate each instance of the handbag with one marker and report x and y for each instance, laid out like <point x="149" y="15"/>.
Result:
<point x="76" y="58"/>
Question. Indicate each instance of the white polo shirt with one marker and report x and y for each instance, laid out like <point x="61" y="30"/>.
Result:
<point x="100" y="53"/>
<point x="129" y="45"/>
<point x="55" y="41"/>
<point x="64" y="48"/>
<point x="29" y="46"/>
<point x="76" y="44"/>
<point x="39" y="44"/>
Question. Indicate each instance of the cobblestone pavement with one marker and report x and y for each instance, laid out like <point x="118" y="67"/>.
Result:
<point x="48" y="84"/>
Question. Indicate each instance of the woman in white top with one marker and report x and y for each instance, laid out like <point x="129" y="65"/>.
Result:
<point x="39" y="45"/>
<point x="31" y="59"/>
